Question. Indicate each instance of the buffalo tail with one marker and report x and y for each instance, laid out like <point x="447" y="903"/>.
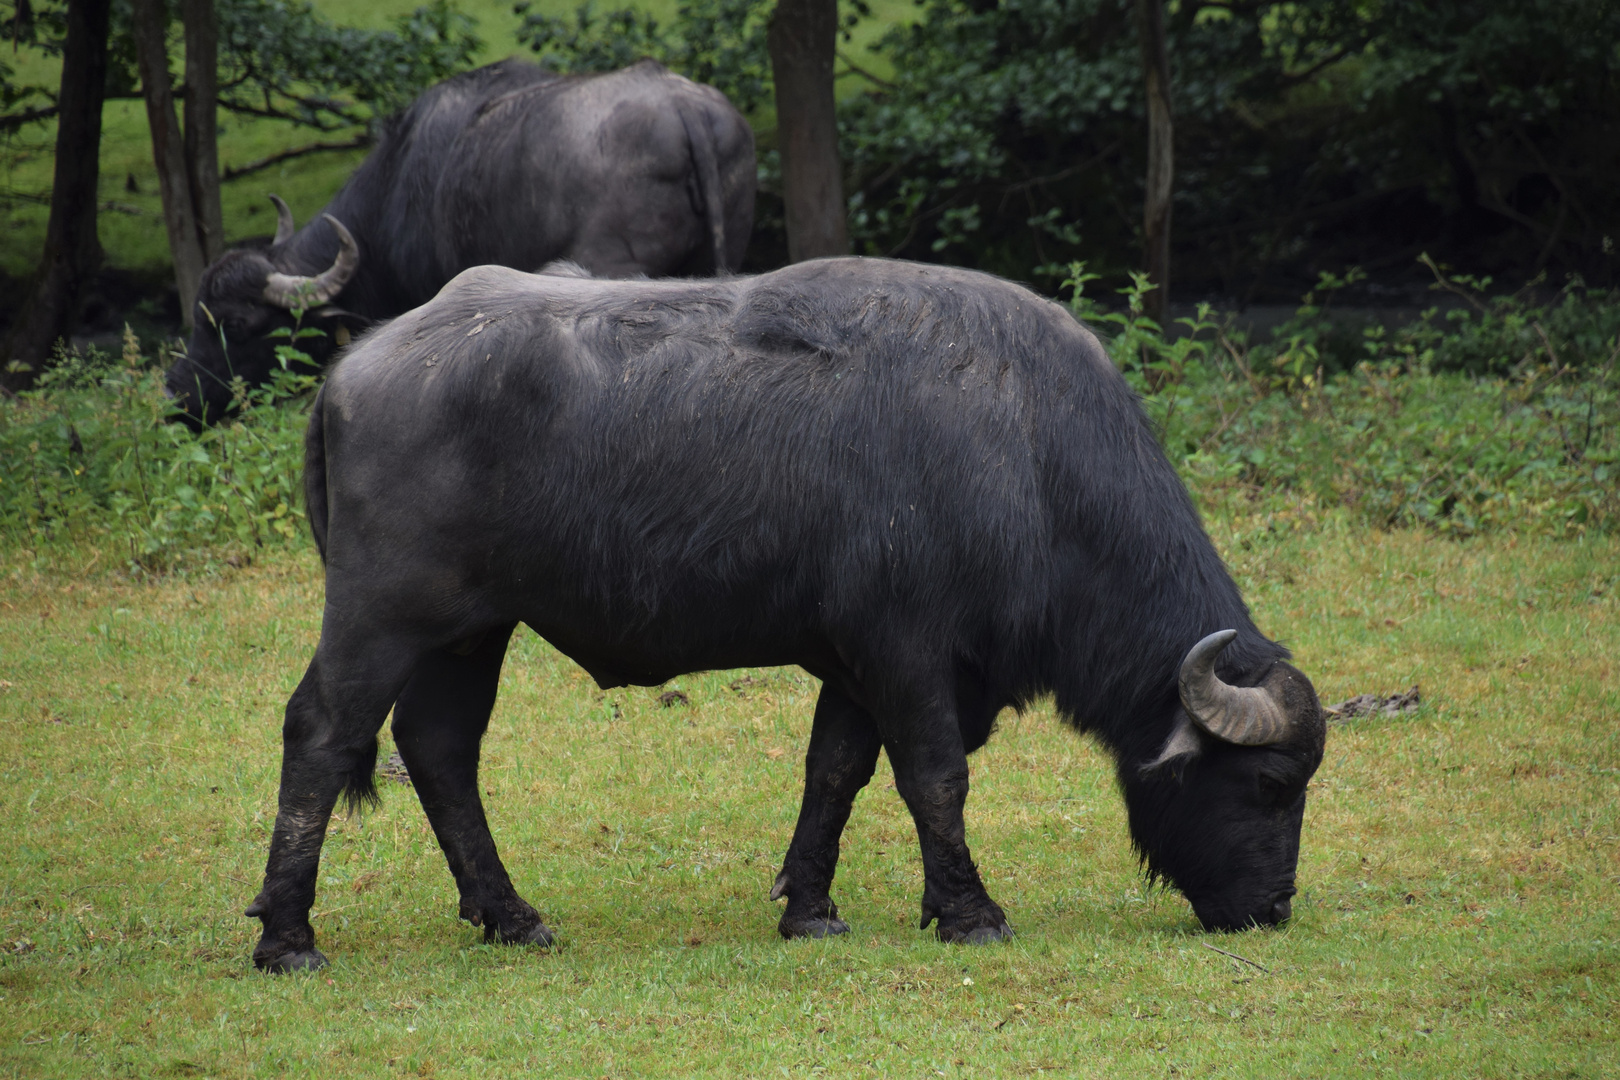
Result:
<point x="315" y="473"/>
<point x="700" y="137"/>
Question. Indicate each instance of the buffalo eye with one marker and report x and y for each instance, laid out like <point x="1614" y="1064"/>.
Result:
<point x="1275" y="789"/>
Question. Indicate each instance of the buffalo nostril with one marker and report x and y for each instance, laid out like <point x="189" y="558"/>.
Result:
<point x="1281" y="909"/>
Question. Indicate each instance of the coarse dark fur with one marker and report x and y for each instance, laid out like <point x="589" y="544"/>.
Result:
<point x="633" y="172"/>
<point x="928" y="487"/>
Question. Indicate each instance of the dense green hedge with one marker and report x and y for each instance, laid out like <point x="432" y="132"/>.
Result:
<point x="1396" y="437"/>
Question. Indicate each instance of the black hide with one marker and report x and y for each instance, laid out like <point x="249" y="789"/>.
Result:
<point x="928" y="487"/>
<point x="634" y="172"/>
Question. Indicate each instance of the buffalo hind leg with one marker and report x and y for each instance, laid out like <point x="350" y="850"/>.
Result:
<point x="931" y="775"/>
<point x="843" y="752"/>
<point x="439" y="724"/>
<point x="329" y="744"/>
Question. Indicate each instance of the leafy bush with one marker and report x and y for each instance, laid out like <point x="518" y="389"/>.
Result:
<point x="1399" y="438"/>
<point x="282" y="58"/>
<point x="89" y="457"/>
<point x="719" y="42"/>
<point x="1402" y="437"/>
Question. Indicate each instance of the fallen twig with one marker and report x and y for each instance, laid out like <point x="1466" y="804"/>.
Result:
<point x="1235" y="956"/>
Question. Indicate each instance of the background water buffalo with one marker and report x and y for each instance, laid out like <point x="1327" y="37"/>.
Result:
<point x="928" y="487"/>
<point x="633" y="172"/>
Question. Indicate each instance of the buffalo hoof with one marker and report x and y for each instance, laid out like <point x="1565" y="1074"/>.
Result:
<point x="830" y="926"/>
<point x="978" y="935"/>
<point x="538" y="934"/>
<point x="289" y="962"/>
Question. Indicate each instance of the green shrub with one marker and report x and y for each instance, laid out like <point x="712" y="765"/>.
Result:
<point x="1456" y="425"/>
<point x="1506" y="415"/>
<point x="90" y="457"/>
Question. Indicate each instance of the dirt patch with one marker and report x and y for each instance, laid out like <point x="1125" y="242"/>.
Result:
<point x="1374" y="705"/>
<point x="394" y="769"/>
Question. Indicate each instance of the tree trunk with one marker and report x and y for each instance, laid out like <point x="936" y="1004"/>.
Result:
<point x="802" y="39"/>
<point x="1160" y="158"/>
<point x="201" y="136"/>
<point x="72" y="251"/>
<point x="150" y="29"/>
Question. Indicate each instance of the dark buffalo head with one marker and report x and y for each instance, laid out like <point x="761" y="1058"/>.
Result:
<point x="247" y="303"/>
<point x="1218" y="812"/>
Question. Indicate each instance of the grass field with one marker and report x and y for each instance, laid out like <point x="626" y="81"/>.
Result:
<point x="131" y="222"/>
<point x="1458" y="912"/>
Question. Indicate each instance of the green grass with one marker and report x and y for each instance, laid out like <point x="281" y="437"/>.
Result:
<point x="1459" y="867"/>
<point x="131" y="222"/>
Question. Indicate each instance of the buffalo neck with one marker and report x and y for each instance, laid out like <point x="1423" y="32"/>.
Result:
<point x="1142" y="582"/>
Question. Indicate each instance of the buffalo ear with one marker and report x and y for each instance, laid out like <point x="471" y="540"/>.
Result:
<point x="1182" y="746"/>
<point x="347" y="323"/>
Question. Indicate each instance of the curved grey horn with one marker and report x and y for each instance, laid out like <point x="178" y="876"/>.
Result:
<point x="293" y="290"/>
<point x="285" y="226"/>
<point x="1245" y="715"/>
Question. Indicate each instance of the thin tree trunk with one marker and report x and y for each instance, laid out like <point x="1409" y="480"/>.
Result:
<point x="150" y="30"/>
<point x="201" y="136"/>
<point x="1160" y="158"/>
<point x="72" y="250"/>
<point x="802" y="40"/>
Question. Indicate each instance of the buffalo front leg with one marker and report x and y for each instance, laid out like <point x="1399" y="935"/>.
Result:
<point x="439" y="724"/>
<point x="843" y="752"/>
<point x="931" y="775"/>
<point x="329" y="744"/>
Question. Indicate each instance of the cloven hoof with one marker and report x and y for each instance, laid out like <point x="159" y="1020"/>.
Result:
<point x="538" y="934"/>
<point x="287" y="963"/>
<point x="979" y="935"/>
<point x="813" y="928"/>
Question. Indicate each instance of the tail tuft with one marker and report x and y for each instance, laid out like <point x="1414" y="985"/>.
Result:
<point x="360" y="786"/>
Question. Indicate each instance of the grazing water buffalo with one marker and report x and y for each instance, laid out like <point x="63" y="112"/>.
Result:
<point x="928" y="487"/>
<point x="635" y="172"/>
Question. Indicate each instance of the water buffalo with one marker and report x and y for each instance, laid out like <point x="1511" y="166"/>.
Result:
<point x="634" y="172"/>
<point x="928" y="487"/>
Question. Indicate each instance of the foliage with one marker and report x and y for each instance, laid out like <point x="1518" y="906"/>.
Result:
<point x="281" y="58"/>
<point x="87" y="456"/>
<point x="43" y="29"/>
<point x="1476" y="425"/>
<point x="719" y="42"/>
<point x="1331" y="131"/>
<point x="1504" y="417"/>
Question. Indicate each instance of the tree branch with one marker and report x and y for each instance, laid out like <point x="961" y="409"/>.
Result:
<point x="856" y="69"/>
<point x="1064" y="174"/>
<point x="232" y="173"/>
<point x="269" y="112"/>
<point x="1290" y="78"/>
<point x="15" y="121"/>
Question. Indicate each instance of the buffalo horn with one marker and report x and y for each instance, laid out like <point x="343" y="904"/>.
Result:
<point x="285" y="227"/>
<point x="292" y="290"/>
<point x="1245" y="715"/>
